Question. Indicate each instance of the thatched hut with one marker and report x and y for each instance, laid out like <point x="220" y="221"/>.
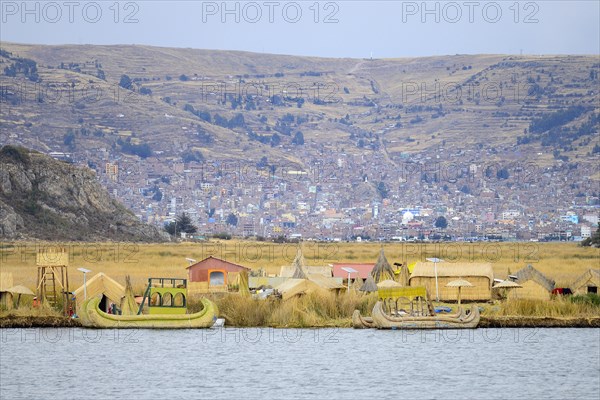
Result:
<point x="535" y="285"/>
<point x="480" y="275"/>
<point x="297" y="287"/>
<point x="588" y="282"/>
<point x="6" y="297"/>
<point x="382" y="269"/>
<point x="369" y="286"/>
<point x="101" y="285"/>
<point x="403" y="275"/>
<point x="299" y="279"/>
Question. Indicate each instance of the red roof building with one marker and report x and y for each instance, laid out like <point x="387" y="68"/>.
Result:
<point x="213" y="270"/>
<point x="363" y="270"/>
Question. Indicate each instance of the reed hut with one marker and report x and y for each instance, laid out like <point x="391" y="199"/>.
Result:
<point x="369" y="286"/>
<point x="588" y="282"/>
<point x="382" y="270"/>
<point x="403" y="275"/>
<point x="317" y="277"/>
<point x="297" y="287"/>
<point x="535" y="285"/>
<point x="6" y="297"/>
<point x="242" y="281"/>
<point x="480" y="275"/>
<point x="101" y="285"/>
<point x="357" y="284"/>
<point x="298" y="266"/>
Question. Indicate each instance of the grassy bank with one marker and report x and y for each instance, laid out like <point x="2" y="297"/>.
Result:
<point x="575" y="306"/>
<point x="329" y="310"/>
<point x="325" y="310"/>
<point x="312" y="310"/>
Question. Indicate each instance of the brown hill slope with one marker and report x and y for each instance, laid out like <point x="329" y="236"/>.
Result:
<point x="43" y="198"/>
<point x="186" y="100"/>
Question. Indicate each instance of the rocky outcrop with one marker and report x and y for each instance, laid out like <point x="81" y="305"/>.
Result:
<point x="43" y="198"/>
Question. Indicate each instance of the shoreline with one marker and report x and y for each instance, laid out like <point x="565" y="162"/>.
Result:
<point x="10" y="322"/>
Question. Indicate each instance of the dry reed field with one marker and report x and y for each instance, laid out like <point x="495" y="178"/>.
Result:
<point x="563" y="262"/>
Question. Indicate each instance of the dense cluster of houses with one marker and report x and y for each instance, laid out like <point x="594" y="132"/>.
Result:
<point x="341" y="196"/>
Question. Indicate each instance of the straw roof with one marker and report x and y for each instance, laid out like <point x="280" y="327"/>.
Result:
<point x="369" y="285"/>
<point x="294" y="287"/>
<point x="325" y="283"/>
<point x="404" y="275"/>
<point x="448" y="269"/>
<point x="102" y="284"/>
<point x="382" y="269"/>
<point x="129" y="305"/>
<point x="19" y="289"/>
<point x="592" y="275"/>
<point x="459" y="283"/>
<point x="388" y="283"/>
<point x="507" y="284"/>
<point x="531" y="274"/>
<point x="6" y="281"/>
<point x="298" y="264"/>
<point x="244" y="289"/>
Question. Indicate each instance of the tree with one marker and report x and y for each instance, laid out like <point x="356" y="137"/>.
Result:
<point x="298" y="138"/>
<point x="502" y="174"/>
<point x="382" y="190"/>
<point x="275" y="140"/>
<point x="69" y="139"/>
<point x="192" y="156"/>
<point x="125" y="82"/>
<point x="262" y="163"/>
<point x="232" y="220"/>
<point x="183" y="223"/>
<point x="157" y="195"/>
<point x="441" y="222"/>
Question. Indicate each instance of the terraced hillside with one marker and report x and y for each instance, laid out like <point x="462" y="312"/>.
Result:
<point x="244" y="105"/>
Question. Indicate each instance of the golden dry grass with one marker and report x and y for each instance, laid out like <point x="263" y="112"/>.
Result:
<point x="558" y="307"/>
<point x="563" y="262"/>
<point x="312" y="310"/>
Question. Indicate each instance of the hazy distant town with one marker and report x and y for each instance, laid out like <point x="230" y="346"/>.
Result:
<point x="344" y="197"/>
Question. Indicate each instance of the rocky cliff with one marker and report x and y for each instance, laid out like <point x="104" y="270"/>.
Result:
<point x="42" y="198"/>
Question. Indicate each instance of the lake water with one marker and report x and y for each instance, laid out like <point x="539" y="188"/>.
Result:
<point x="270" y="363"/>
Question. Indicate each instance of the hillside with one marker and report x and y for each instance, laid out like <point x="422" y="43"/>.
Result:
<point x="187" y="100"/>
<point x="43" y="198"/>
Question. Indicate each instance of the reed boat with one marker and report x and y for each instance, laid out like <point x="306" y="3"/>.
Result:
<point x="360" y="322"/>
<point x="92" y="317"/>
<point x="460" y="320"/>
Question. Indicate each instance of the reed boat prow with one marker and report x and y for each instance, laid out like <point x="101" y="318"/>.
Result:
<point x="360" y="322"/>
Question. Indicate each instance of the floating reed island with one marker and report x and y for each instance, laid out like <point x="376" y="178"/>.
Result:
<point x="304" y="296"/>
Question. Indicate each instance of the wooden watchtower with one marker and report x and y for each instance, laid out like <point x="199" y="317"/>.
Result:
<point x="53" y="277"/>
